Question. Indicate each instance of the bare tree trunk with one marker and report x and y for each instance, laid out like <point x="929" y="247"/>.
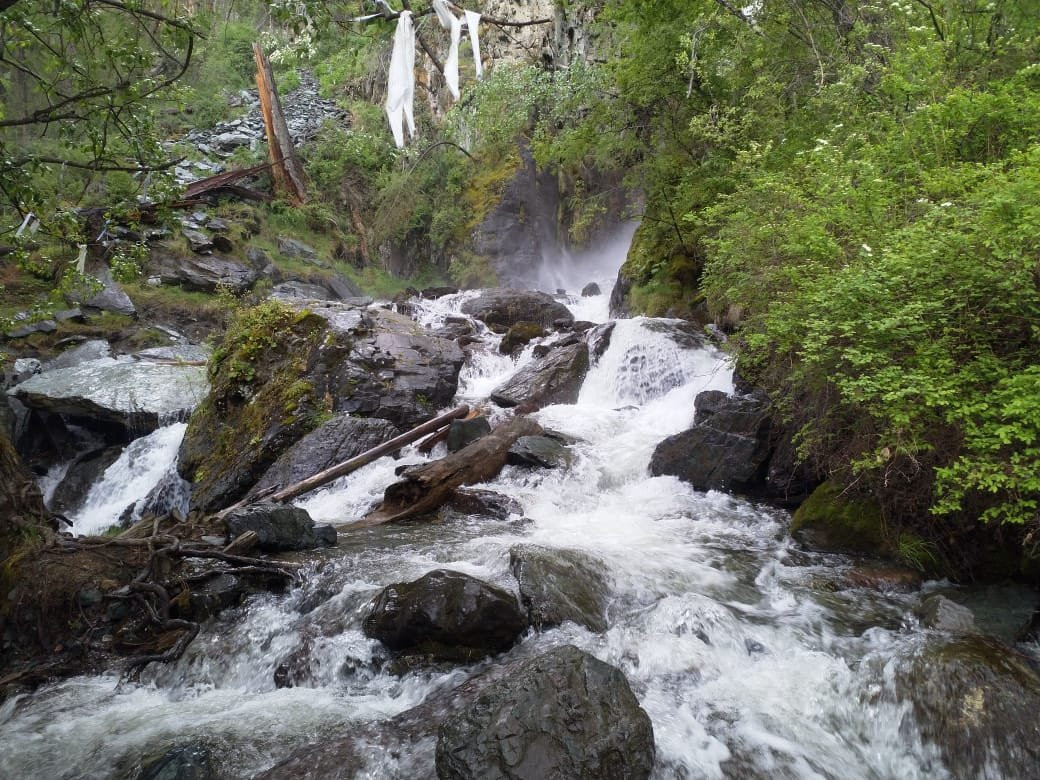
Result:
<point x="286" y="166"/>
<point x="425" y="488"/>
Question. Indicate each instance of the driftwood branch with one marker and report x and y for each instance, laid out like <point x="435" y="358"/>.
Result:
<point x="341" y="469"/>
<point x="425" y="488"/>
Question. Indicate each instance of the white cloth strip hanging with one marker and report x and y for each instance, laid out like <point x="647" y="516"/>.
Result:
<point x="451" y="22"/>
<point x="473" y="23"/>
<point x="400" y="88"/>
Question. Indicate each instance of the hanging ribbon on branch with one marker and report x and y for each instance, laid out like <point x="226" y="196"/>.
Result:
<point x="400" y="88"/>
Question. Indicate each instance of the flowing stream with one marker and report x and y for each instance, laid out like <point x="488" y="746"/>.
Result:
<point x="748" y="660"/>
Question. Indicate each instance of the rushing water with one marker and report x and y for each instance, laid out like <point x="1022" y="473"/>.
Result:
<point x="748" y="660"/>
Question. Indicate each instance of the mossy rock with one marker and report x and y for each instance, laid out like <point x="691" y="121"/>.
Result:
<point x="260" y="401"/>
<point x="664" y="275"/>
<point x="832" y="522"/>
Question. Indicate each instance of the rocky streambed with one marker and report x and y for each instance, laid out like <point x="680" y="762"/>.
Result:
<point x="606" y="606"/>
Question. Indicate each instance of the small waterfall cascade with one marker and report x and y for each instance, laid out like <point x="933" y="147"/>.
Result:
<point x="147" y="463"/>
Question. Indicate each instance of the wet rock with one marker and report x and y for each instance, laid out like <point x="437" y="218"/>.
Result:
<point x="329" y="358"/>
<point x="978" y="701"/>
<point x="563" y="714"/>
<point x="279" y="527"/>
<point x="185" y="762"/>
<point x="343" y="288"/>
<point x="257" y="258"/>
<point x="727" y="448"/>
<point x="485" y="503"/>
<point x="519" y="335"/>
<point x="502" y="308"/>
<point x="88" y="350"/>
<point x="111" y="299"/>
<point x="942" y="614"/>
<point x="133" y="394"/>
<point x="178" y="353"/>
<point x="69" y="315"/>
<point x="559" y="585"/>
<point x="618" y="305"/>
<point x="789" y="481"/>
<point x="538" y="452"/>
<point x="454" y="330"/>
<point x="463" y="432"/>
<point x="432" y="293"/>
<point x="198" y="241"/>
<point x="44" y="326"/>
<point x="335" y="441"/>
<point x="204" y="274"/>
<point x="289" y="291"/>
<point x="446" y="614"/>
<point x="832" y="522"/>
<point x="20" y="370"/>
<point x="590" y="289"/>
<point x="291" y="247"/>
<point x="83" y="472"/>
<point x="555" y="379"/>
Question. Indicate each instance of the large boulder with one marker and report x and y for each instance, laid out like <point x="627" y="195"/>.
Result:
<point x="555" y="379"/>
<point x="501" y="308"/>
<point x="135" y="394"/>
<point x="282" y="370"/>
<point x="279" y="527"/>
<point x="341" y="438"/>
<point x="978" y="701"/>
<point x="559" y="585"/>
<point x="202" y="273"/>
<point x="726" y="449"/>
<point x="447" y="615"/>
<point x="563" y="714"/>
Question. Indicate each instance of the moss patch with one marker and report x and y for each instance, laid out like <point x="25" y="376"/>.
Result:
<point x="830" y="521"/>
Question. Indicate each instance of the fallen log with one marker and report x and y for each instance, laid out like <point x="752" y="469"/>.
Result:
<point x="347" y="466"/>
<point x="426" y="487"/>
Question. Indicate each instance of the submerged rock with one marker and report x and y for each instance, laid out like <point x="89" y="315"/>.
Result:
<point x="564" y="714"/>
<point x="590" y="289"/>
<point x="136" y="395"/>
<point x="501" y="308"/>
<point x="559" y="585"/>
<point x="486" y="503"/>
<point x="555" y="379"/>
<point x="192" y="761"/>
<point x="942" y="614"/>
<point x="279" y="527"/>
<point x="447" y="615"/>
<point x="978" y="701"/>
<point x="541" y="452"/>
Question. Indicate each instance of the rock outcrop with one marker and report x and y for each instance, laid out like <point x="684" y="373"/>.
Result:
<point x="279" y="527"/>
